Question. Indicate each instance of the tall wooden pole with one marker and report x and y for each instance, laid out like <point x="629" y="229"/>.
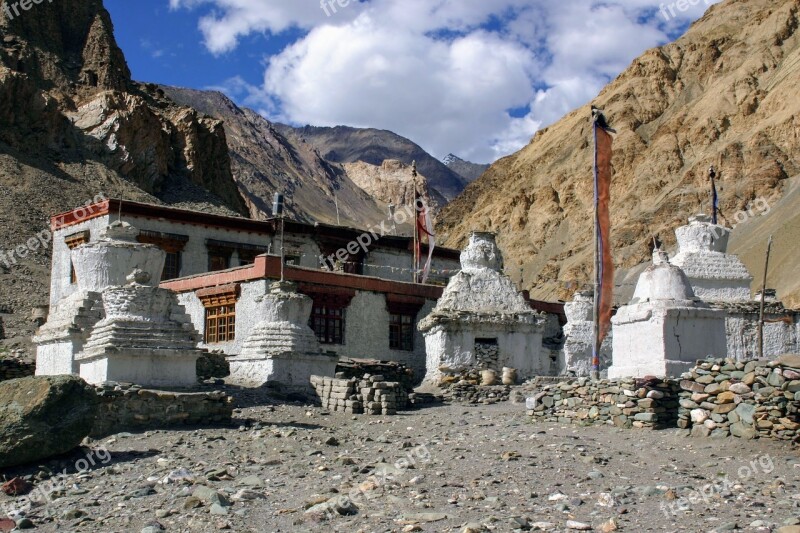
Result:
<point x="763" y="297"/>
<point x="712" y="174"/>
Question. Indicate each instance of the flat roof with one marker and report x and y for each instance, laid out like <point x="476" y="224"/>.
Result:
<point x="269" y="267"/>
<point x="271" y="226"/>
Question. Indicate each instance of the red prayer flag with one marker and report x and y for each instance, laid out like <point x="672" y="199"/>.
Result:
<point x="605" y="276"/>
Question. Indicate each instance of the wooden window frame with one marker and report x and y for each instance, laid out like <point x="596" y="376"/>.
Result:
<point x="402" y="334"/>
<point x="329" y="314"/>
<point x="171" y="271"/>
<point x="73" y="241"/>
<point x="172" y="244"/>
<point x="328" y="323"/>
<point x="220" y="313"/>
<point x="401" y="331"/>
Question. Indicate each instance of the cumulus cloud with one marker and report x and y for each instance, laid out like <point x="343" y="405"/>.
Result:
<point x="452" y="75"/>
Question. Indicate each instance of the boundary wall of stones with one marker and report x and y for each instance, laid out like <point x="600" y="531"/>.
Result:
<point x="14" y="369"/>
<point x="718" y="398"/>
<point x="131" y="408"/>
<point x="646" y="404"/>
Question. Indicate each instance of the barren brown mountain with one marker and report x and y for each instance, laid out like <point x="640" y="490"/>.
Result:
<point x="265" y="161"/>
<point x="724" y="94"/>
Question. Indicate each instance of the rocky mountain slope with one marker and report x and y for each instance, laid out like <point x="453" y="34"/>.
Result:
<point x="344" y="144"/>
<point x="264" y="161"/>
<point x="465" y="169"/>
<point x="74" y="126"/>
<point x="724" y="94"/>
<point x="392" y="183"/>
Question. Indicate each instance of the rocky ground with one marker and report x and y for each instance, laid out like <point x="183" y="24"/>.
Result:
<point x="290" y="467"/>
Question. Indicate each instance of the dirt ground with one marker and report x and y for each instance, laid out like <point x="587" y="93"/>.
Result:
<point x="437" y="469"/>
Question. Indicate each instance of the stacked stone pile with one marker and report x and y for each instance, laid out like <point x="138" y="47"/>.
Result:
<point x="126" y="407"/>
<point x="371" y="395"/>
<point x="14" y="365"/>
<point x="640" y="403"/>
<point x="723" y="397"/>
<point x="467" y="387"/>
<point x="390" y="370"/>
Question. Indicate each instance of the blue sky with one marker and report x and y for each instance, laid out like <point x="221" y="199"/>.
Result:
<point x="472" y="77"/>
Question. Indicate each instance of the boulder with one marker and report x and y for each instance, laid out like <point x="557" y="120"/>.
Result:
<point x="43" y="416"/>
<point x="790" y="360"/>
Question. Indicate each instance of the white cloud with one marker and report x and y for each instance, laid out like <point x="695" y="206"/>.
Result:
<point x="444" y="73"/>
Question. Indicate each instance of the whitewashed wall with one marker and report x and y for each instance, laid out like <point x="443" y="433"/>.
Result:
<point x="366" y="326"/>
<point x="742" y="333"/>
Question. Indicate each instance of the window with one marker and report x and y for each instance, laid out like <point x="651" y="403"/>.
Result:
<point x="172" y="266"/>
<point x="220" y="323"/>
<point x="328" y="324"/>
<point x="72" y="242"/>
<point x="403" y="312"/>
<point x="220" y="306"/>
<point x="329" y="311"/>
<point x="401" y="332"/>
<point x="221" y="252"/>
<point x="218" y="260"/>
<point x="247" y="258"/>
<point x="172" y="244"/>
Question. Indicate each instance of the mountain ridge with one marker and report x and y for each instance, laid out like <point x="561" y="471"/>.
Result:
<point x="346" y="144"/>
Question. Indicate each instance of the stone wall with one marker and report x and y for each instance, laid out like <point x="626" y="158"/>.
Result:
<point x="717" y="398"/>
<point x="371" y="395"/>
<point x="724" y="397"/>
<point x="639" y="403"/>
<point x="130" y="408"/>
<point x="14" y="368"/>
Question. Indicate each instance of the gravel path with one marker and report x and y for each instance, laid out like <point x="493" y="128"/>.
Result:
<point x="442" y="468"/>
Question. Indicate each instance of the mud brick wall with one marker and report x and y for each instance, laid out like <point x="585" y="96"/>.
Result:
<point x="647" y="404"/>
<point x="129" y="408"/>
<point x="370" y="395"/>
<point x="720" y="398"/>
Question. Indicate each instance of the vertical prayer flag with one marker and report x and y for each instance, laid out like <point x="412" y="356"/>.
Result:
<point x="425" y="225"/>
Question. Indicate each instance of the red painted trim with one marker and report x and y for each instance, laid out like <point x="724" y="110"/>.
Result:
<point x="78" y="215"/>
<point x="268" y="267"/>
